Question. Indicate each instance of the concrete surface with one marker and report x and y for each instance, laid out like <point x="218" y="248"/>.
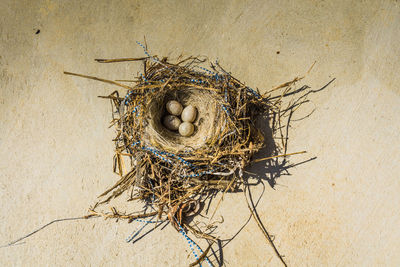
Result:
<point x="341" y="209"/>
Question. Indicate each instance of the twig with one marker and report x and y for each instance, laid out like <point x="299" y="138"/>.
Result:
<point x="120" y="60"/>
<point x="278" y="156"/>
<point x="261" y="226"/>
<point x="44" y="226"/>
<point x="98" y="79"/>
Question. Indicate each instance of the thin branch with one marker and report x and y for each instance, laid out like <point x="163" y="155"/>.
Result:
<point x="278" y="156"/>
<point x="98" y="79"/>
<point x="261" y="226"/>
<point x="120" y="59"/>
<point x="44" y="226"/>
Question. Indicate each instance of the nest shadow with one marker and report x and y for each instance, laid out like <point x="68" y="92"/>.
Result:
<point x="266" y="171"/>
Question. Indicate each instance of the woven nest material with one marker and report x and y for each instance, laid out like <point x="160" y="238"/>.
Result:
<point x="168" y="170"/>
<point x="172" y="173"/>
<point x="173" y="168"/>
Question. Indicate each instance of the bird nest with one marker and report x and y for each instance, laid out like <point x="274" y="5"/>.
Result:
<point x="173" y="173"/>
<point x="169" y="170"/>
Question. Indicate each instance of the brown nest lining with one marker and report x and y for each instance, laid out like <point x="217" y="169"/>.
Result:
<point x="209" y="114"/>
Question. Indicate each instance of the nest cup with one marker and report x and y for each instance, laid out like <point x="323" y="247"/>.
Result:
<point x="207" y="124"/>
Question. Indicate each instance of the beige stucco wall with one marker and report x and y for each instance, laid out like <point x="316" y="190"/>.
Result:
<point x="342" y="209"/>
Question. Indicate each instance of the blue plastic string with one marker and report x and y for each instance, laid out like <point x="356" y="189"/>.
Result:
<point x="147" y="53"/>
<point x="159" y="154"/>
<point x="198" y="81"/>
<point x="144" y="78"/>
<point x="140" y="228"/>
<point x="179" y="158"/>
<point x="225" y="109"/>
<point x="192" y="243"/>
<point x="135" y="143"/>
<point x="253" y="92"/>
<point x="197" y="174"/>
<point x="208" y="71"/>
<point x="214" y="74"/>
<point x="137" y="231"/>
<point x="127" y="96"/>
<point x="144" y="221"/>
<point x="144" y="49"/>
<point x="135" y="110"/>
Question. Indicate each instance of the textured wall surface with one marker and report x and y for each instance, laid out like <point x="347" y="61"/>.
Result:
<point x="341" y="209"/>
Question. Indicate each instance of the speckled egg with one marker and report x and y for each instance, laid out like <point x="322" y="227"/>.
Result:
<point x="171" y="122"/>
<point x="174" y="107"/>
<point x="186" y="129"/>
<point x="189" y="114"/>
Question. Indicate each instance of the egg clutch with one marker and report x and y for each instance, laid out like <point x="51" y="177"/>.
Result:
<point x="184" y="124"/>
